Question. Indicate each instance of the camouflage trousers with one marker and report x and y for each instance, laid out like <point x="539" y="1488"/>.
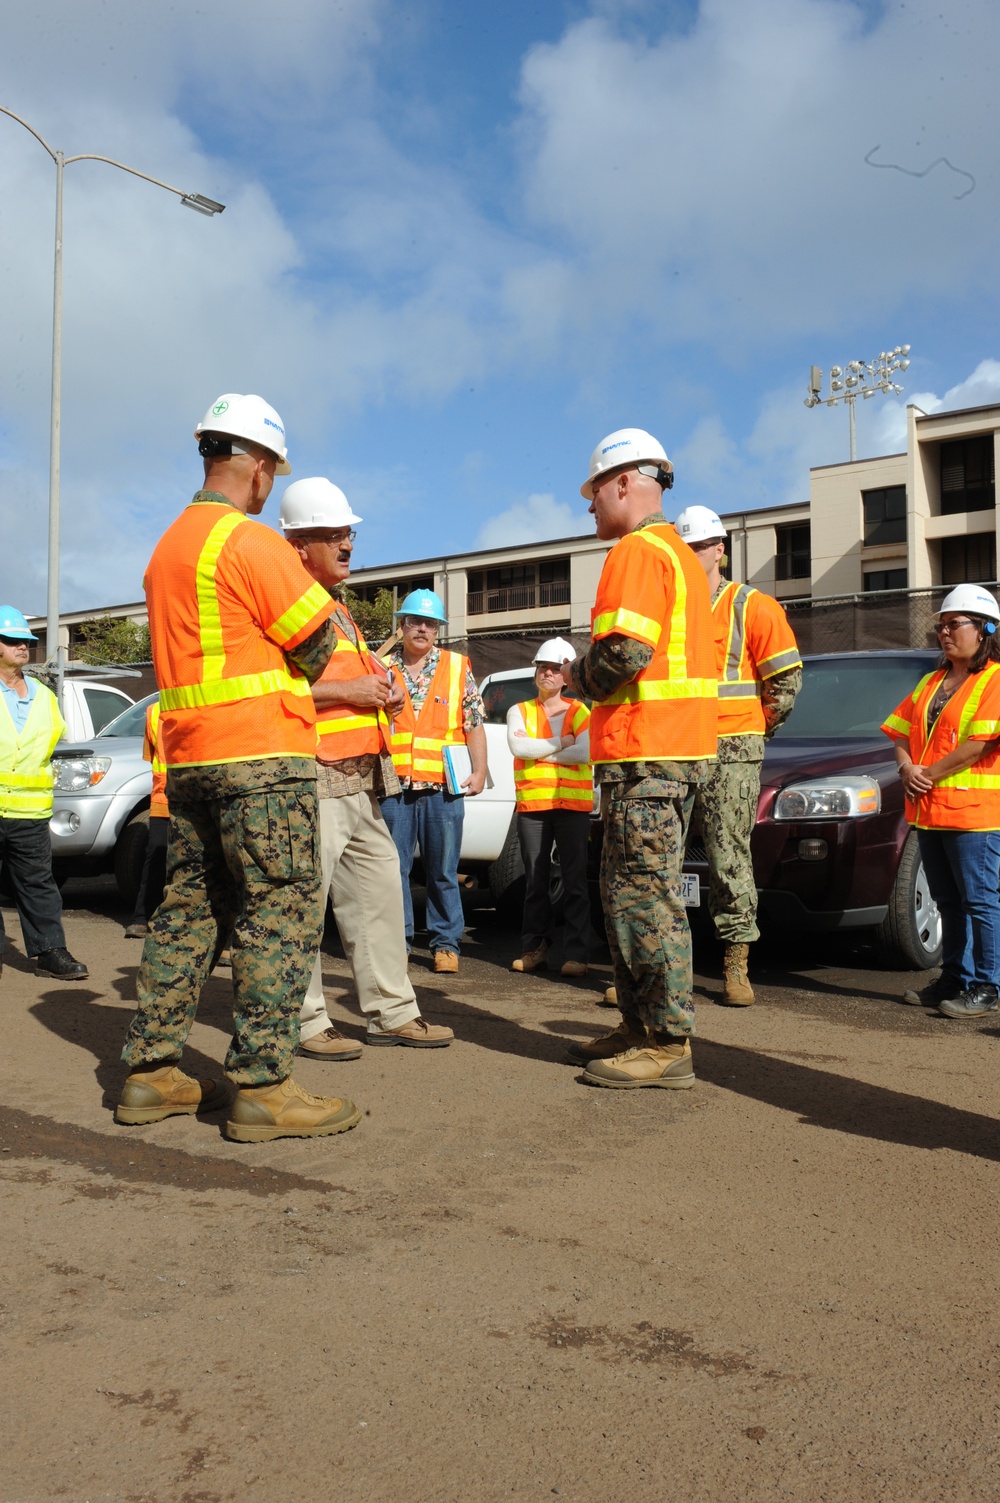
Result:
<point x="645" y="825"/>
<point x="725" y="806"/>
<point x="242" y="870"/>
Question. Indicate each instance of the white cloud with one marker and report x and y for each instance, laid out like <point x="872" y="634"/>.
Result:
<point x="532" y="521"/>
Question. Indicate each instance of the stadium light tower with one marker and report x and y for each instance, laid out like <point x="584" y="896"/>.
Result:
<point x="858" y="379"/>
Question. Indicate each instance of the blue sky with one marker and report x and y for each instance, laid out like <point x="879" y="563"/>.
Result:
<point x="463" y="243"/>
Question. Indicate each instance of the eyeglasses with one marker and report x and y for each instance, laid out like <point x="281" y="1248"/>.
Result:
<point x="419" y="621"/>
<point x="953" y="626"/>
<point x="13" y="641"/>
<point x="342" y="535"/>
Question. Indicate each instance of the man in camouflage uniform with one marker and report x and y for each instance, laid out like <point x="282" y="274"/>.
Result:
<point x="230" y="598"/>
<point x="760" y="673"/>
<point x="651" y="625"/>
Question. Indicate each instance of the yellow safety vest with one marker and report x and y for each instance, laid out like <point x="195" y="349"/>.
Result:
<point x="26" y="760"/>
<point x="541" y="785"/>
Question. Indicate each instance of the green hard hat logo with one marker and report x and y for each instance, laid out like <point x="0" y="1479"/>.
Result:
<point x="220" y="408"/>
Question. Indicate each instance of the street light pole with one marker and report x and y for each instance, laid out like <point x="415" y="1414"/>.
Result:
<point x="849" y="383"/>
<point x="202" y="205"/>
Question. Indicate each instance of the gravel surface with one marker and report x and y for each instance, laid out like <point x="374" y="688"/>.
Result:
<point x="504" y="1284"/>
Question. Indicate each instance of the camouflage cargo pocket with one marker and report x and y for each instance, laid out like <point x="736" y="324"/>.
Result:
<point x="650" y="835"/>
<point x="279" y="835"/>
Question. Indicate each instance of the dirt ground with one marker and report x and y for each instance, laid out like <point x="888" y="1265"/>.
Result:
<point x="504" y="1284"/>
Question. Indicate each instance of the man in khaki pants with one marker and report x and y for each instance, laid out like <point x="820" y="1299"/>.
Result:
<point x="354" y="698"/>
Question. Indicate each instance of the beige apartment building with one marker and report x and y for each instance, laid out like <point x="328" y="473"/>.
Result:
<point x="926" y="517"/>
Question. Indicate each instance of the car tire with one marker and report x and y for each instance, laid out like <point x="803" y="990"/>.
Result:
<point x="130" y="856"/>
<point x="909" y="936"/>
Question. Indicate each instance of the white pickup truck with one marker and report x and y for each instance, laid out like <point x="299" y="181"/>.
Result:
<point x="88" y="704"/>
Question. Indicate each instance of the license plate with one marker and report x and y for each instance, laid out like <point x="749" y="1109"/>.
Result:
<point x="690" y="890"/>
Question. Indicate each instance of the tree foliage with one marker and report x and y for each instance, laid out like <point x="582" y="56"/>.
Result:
<point x="373" y="616"/>
<point x="113" y="640"/>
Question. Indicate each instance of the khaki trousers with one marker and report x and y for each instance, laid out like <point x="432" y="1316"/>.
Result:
<point x="361" y="874"/>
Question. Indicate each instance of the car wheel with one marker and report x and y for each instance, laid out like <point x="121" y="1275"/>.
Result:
<point x="910" y="934"/>
<point x="130" y="856"/>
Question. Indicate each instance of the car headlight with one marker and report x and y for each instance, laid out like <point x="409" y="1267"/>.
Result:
<point x="73" y="774"/>
<point x="829" y="798"/>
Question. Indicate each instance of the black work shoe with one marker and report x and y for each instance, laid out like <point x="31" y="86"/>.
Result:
<point x="973" y="1003"/>
<point x="60" y="963"/>
<point x="934" y="992"/>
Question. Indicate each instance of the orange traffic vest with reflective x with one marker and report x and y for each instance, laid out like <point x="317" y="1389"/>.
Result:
<point x="968" y="800"/>
<point x="753" y="642"/>
<point x="541" y="785"/>
<point x="654" y="590"/>
<point x="349" y="730"/>
<point x="227" y="598"/>
<point x="26" y="777"/>
<point x="158" y="807"/>
<point x="418" y="741"/>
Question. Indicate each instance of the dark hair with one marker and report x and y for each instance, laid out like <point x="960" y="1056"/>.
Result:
<point x="988" y="650"/>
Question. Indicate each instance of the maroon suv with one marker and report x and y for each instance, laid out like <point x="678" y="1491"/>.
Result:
<point x="831" y="849"/>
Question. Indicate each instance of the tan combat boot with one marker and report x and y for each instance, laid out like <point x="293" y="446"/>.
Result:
<point x="610" y="998"/>
<point x="532" y="960"/>
<point x="151" y="1095"/>
<point x="667" y="1065"/>
<point x="285" y="1110"/>
<point x="626" y="1036"/>
<point x="737" y="991"/>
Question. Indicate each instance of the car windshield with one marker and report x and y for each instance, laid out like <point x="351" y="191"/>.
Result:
<point x="132" y="722"/>
<point x="849" y="697"/>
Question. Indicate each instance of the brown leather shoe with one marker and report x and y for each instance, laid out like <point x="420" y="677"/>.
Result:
<point x="416" y="1034"/>
<point x="260" y="1113"/>
<point x="330" y="1045"/>
<point x="625" y="1036"/>
<point x="574" y="968"/>
<point x="667" y="1065"/>
<point x="136" y="931"/>
<point x="151" y="1095"/>
<point x="532" y="960"/>
<point x="445" y="962"/>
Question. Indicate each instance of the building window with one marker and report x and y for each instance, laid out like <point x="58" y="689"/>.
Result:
<point x="518" y="587"/>
<point x="793" y="559"/>
<point x="885" y="515"/>
<point x="885" y="579"/>
<point x="969" y="560"/>
<point x="967" y="476"/>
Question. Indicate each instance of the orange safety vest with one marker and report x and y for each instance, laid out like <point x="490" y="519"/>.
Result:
<point x="418" y="741"/>
<point x="753" y="642"/>
<point x="541" y="785"/>
<point x="968" y="800"/>
<point x="349" y="730"/>
<point x="227" y="599"/>
<point x="653" y="589"/>
<point x="158" y="807"/>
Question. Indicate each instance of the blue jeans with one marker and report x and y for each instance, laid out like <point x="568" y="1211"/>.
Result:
<point x="433" y="820"/>
<point x="963" y="873"/>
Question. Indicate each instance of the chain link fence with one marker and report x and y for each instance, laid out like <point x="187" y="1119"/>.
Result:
<point x="868" y="621"/>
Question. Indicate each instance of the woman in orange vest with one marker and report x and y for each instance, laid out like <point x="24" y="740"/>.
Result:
<point x="549" y="738"/>
<point x="948" y="754"/>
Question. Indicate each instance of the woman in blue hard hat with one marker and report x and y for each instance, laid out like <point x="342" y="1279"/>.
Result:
<point x="439" y="725"/>
<point x="948" y="756"/>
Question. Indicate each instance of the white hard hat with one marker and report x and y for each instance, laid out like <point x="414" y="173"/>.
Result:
<point x="315" y="503"/>
<point x="555" y="650"/>
<point x="696" y="524"/>
<point x="634" y="448"/>
<point x="972" y="598"/>
<point x="249" y="417"/>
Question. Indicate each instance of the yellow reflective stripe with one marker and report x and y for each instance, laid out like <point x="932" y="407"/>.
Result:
<point x="455" y="688"/>
<point x="970" y="780"/>
<point x="209" y="615"/>
<point x="662" y="689"/>
<point x="537" y="795"/>
<point x="300" y="614"/>
<point x="228" y="690"/>
<point x="897" y="723"/>
<point x="623" y="620"/>
<point x="967" y="718"/>
<point x="677" y="647"/>
<point x="40" y="779"/>
<point x="346" y="723"/>
<point x="779" y="662"/>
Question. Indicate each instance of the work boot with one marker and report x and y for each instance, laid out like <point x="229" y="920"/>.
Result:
<point x="975" y="1002"/>
<point x="627" y="1035"/>
<point x="667" y="1065"/>
<point x="261" y="1113"/>
<point x="736" y="990"/>
<point x="934" y="993"/>
<point x="151" y="1095"/>
<point x="60" y="963"/>
<point x="416" y="1034"/>
<point x="445" y="962"/>
<point x="330" y="1045"/>
<point x="610" y="998"/>
<point x="135" y="931"/>
<point x="574" y="968"/>
<point x="532" y="960"/>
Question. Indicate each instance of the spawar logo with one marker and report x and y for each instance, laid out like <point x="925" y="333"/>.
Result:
<point x="622" y="443"/>
<point x="270" y="423"/>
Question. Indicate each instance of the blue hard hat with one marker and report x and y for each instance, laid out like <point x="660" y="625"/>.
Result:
<point x="423" y="603"/>
<point x="13" y="624"/>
